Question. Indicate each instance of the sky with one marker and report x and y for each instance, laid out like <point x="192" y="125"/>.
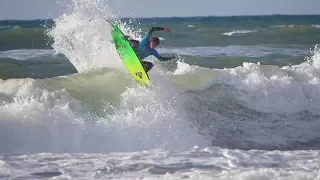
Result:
<point x="43" y="9"/>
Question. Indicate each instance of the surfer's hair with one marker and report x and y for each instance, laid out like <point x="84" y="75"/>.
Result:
<point x="155" y="40"/>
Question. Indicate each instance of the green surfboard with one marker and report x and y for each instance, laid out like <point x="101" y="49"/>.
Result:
<point x="129" y="57"/>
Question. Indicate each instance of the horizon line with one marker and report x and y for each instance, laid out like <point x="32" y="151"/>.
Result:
<point x="167" y="17"/>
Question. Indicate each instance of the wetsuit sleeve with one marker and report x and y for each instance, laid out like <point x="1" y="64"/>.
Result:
<point x="166" y="58"/>
<point x="158" y="56"/>
<point x="145" y="39"/>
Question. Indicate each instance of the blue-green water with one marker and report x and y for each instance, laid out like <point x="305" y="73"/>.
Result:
<point x="214" y="42"/>
<point x="276" y="30"/>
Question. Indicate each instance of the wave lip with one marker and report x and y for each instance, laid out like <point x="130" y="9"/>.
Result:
<point x="84" y="36"/>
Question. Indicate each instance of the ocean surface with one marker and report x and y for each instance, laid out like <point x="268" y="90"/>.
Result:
<point x="241" y="101"/>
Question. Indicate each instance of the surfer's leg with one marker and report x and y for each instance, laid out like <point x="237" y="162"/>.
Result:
<point x="134" y="44"/>
<point x="147" y="65"/>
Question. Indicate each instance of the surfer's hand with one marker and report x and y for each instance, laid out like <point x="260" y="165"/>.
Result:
<point x="167" y="29"/>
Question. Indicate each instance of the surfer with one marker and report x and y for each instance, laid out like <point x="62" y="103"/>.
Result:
<point x="146" y="47"/>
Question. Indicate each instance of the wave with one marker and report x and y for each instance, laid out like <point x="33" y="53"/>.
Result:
<point x="96" y="112"/>
<point x="296" y="26"/>
<point x="302" y="78"/>
<point x="283" y="26"/>
<point x="26" y="54"/>
<point x="240" y="51"/>
<point x="273" y="98"/>
<point x="238" y="32"/>
<point x="202" y="163"/>
<point x="315" y="58"/>
<point x="33" y="63"/>
<point x="83" y="36"/>
<point x="24" y="38"/>
<point x="2" y="28"/>
<point x="91" y="112"/>
<point x="315" y="25"/>
<point x="101" y="109"/>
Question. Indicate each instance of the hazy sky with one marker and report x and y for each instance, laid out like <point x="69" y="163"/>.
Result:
<point x="40" y="9"/>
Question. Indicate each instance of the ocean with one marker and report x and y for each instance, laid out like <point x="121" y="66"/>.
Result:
<point x="241" y="101"/>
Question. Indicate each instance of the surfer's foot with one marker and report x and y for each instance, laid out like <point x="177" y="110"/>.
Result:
<point x="147" y="65"/>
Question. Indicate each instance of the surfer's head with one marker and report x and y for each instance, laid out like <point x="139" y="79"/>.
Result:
<point x="154" y="42"/>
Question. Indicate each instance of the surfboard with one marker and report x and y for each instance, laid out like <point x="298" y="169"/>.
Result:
<point x="129" y="57"/>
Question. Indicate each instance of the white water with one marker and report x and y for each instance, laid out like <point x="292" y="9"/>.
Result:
<point x="238" y="32"/>
<point x="280" y="90"/>
<point x="268" y="88"/>
<point x="256" y="106"/>
<point x="196" y="163"/>
<point x="83" y="36"/>
<point x="251" y="106"/>
<point x="91" y="112"/>
<point x="94" y="112"/>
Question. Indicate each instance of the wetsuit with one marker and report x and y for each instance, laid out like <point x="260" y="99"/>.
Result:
<point x="143" y="49"/>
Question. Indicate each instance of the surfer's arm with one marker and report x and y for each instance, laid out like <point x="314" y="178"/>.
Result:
<point x="145" y="40"/>
<point x="156" y="29"/>
<point x="167" y="58"/>
<point x="147" y="37"/>
<point x="161" y="58"/>
<point x="167" y="29"/>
